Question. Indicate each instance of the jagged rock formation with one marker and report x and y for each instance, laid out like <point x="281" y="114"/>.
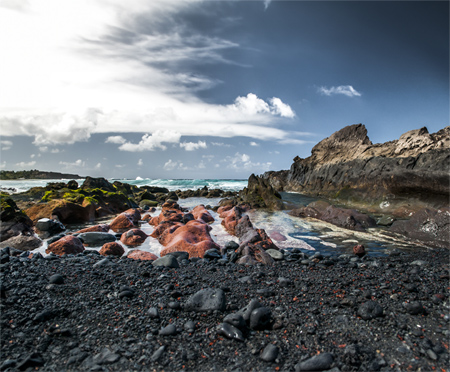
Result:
<point x="347" y="167"/>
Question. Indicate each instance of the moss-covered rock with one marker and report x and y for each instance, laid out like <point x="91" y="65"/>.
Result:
<point x="13" y="220"/>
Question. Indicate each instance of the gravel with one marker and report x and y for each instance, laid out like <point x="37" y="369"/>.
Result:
<point x="85" y="312"/>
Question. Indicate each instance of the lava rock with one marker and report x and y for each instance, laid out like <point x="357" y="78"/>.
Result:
<point x="370" y="310"/>
<point x="206" y="300"/>
<point x="320" y="362"/>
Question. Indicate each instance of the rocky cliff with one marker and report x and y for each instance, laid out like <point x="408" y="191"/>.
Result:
<point x="347" y="167"/>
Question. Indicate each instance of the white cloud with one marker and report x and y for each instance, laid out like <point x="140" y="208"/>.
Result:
<point x="101" y="69"/>
<point x="346" y="90"/>
<point x="43" y="148"/>
<point x="191" y="146"/>
<point x="77" y="163"/>
<point x="6" y="145"/>
<point x="171" y="165"/>
<point x="266" y="3"/>
<point x="98" y="166"/>
<point x="201" y="165"/>
<point x="120" y="166"/>
<point x="220" y="144"/>
<point x="115" y="139"/>
<point x="254" y="144"/>
<point x="280" y="108"/>
<point x="55" y="151"/>
<point x="151" y="142"/>
<point x="208" y="157"/>
<point x="242" y="162"/>
<point x="23" y="164"/>
<point x="140" y="163"/>
<point x="32" y="156"/>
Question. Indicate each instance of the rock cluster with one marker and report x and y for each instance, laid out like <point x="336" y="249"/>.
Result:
<point x="340" y="313"/>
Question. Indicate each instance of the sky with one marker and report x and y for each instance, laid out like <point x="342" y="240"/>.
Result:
<point x="211" y="89"/>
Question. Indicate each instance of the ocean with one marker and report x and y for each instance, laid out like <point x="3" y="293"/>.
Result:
<point x="286" y="231"/>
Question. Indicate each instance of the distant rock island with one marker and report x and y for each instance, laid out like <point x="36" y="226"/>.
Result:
<point x="35" y="174"/>
<point x="348" y="168"/>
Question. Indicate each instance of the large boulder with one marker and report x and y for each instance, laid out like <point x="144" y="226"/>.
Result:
<point x="112" y="249"/>
<point x="22" y="242"/>
<point x="67" y="245"/>
<point x="260" y="194"/>
<point x="123" y="222"/>
<point x="200" y="213"/>
<point x="13" y="221"/>
<point x="133" y="237"/>
<point x="97" y="183"/>
<point x="62" y="210"/>
<point x="430" y="226"/>
<point x="342" y="217"/>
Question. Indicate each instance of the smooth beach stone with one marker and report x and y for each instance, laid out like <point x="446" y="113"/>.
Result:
<point x="236" y="320"/>
<point x="320" y="362"/>
<point x="414" y="308"/>
<point x="212" y="254"/>
<point x="180" y="255"/>
<point x="230" y="331"/>
<point x="205" y="300"/>
<point x="158" y="353"/>
<point x="260" y="318"/>
<point x="169" y="330"/>
<point x="153" y="312"/>
<point x="275" y="254"/>
<point x="247" y="311"/>
<point x="56" y="279"/>
<point x="167" y="261"/>
<point x="270" y="353"/>
<point x="96" y="238"/>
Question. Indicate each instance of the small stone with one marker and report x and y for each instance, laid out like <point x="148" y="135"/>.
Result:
<point x="414" y="308"/>
<point x="157" y="354"/>
<point x="261" y="318"/>
<point x="32" y="360"/>
<point x="189" y="326"/>
<point x="205" y="300"/>
<point x="270" y="353"/>
<point x="105" y="262"/>
<point x="106" y="356"/>
<point x="320" y="362"/>
<point x="212" y="254"/>
<point x="236" y="320"/>
<point x="43" y="316"/>
<point x="170" y="330"/>
<point x="230" y="331"/>
<point x="56" y="279"/>
<point x="126" y="294"/>
<point x="432" y="354"/>
<point x="247" y="311"/>
<point x="167" y="261"/>
<point x="370" y="310"/>
<point x="153" y="312"/>
<point x="275" y="254"/>
<point x="359" y="250"/>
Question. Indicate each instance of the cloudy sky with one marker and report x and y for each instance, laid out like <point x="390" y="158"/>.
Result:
<point x="211" y="89"/>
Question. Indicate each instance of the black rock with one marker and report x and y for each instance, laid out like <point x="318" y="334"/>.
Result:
<point x="32" y="360"/>
<point x="370" y="310"/>
<point x="157" y="354"/>
<point x="230" y="331"/>
<point x="212" y="254"/>
<point x="153" y="312"/>
<point x="169" y="330"/>
<point x="270" y="353"/>
<point x="44" y="315"/>
<point x="320" y="362"/>
<point x="261" y="318"/>
<point x="247" y="311"/>
<point x="414" y="308"/>
<point x="236" y="320"/>
<point x="56" y="279"/>
<point x="205" y="300"/>
<point x="106" y="356"/>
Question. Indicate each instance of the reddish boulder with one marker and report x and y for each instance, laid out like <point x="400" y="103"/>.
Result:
<point x="230" y="218"/>
<point x="193" y="238"/>
<point x="171" y="211"/>
<point x="200" y="213"/>
<point x="275" y="235"/>
<point x="122" y="223"/>
<point x="62" y="210"/>
<point x="112" y="249"/>
<point x="133" y="237"/>
<point x="134" y="214"/>
<point x="95" y="228"/>
<point x="142" y="255"/>
<point x="68" y="244"/>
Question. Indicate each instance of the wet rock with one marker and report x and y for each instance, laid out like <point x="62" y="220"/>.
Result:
<point x="48" y="227"/>
<point x="67" y="245"/>
<point x="261" y="318"/>
<point x="212" y="254"/>
<point x="122" y="223"/>
<point x="230" y="331"/>
<point x="169" y="330"/>
<point x="206" y="300"/>
<point x="22" y="242"/>
<point x="359" y="250"/>
<point x="158" y="353"/>
<point x="56" y="279"/>
<point x="112" y="249"/>
<point x="236" y="320"/>
<point x="133" y="237"/>
<point x="96" y="239"/>
<point x="95" y="228"/>
<point x="142" y="255"/>
<point x="320" y="362"/>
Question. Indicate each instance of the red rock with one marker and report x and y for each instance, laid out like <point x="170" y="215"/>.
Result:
<point x="68" y="244"/>
<point x="142" y="255"/>
<point x="133" y="237"/>
<point x="112" y="249"/>
<point x="359" y="250"/>
<point x="134" y="214"/>
<point x="200" y="213"/>
<point x="62" y="210"/>
<point x="122" y="223"/>
<point x="230" y="218"/>
<point x="146" y="217"/>
<point x="96" y="228"/>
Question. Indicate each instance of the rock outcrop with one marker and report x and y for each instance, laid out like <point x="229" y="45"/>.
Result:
<point x="348" y="168"/>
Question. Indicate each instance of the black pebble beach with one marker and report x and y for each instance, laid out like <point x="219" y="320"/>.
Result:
<point x="88" y="313"/>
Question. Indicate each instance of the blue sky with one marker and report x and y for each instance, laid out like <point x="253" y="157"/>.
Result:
<point x="211" y="89"/>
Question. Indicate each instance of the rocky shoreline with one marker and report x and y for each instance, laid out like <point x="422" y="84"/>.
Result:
<point x="346" y="313"/>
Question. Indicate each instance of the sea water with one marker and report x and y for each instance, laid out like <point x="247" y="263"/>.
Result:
<point x="286" y="231"/>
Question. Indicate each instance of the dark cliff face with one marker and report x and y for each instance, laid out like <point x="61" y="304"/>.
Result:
<point x="346" y="166"/>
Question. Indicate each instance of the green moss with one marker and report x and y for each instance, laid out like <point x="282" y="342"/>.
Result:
<point x="49" y="195"/>
<point x="91" y="200"/>
<point x="73" y="197"/>
<point x="150" y="203"/>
